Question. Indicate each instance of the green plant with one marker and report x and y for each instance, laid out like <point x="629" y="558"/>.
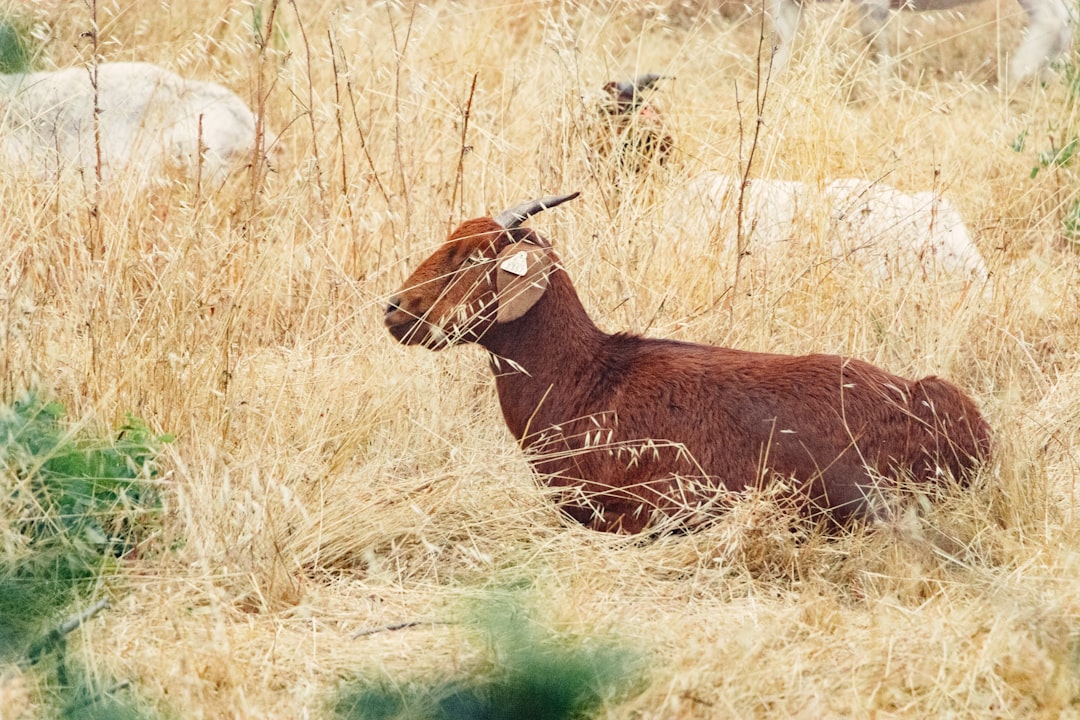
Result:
<point x="1063" y="132"/>
<point x="17" y="46"/>
<point x="266" y="32"/>
<point x="73" y="502"/>
<point x="81" y="493"/>
<point x="1055" y="156"/>
<point x="530" y="673"/>
<point x="1071" y="222"/>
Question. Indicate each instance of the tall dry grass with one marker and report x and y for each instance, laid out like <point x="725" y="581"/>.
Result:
<point x="326" y="480"/>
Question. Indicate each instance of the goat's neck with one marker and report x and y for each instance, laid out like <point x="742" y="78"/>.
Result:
<point x="544" y="359"/>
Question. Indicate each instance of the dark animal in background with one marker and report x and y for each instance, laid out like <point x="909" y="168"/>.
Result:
<point x="634" y="430"/>
<point x="633" y="132"/>
<point x="629" y="95"/>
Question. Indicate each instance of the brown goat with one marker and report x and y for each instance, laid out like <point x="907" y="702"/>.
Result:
<point x="633" y="429"/>
<point x="632" y="131"/>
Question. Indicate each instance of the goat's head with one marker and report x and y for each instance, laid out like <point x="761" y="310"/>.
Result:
<point x="627" y="96"/>
<point x="490" y="271"/>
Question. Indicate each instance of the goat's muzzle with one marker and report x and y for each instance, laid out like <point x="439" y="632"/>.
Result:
<point x="409" y="327"/>
<point x="401" y="324"/>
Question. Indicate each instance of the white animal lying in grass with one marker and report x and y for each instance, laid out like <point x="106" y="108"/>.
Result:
<point x="892" y="234"/>
<point x="1049" y="33"/>
<point x="151" y="121"/>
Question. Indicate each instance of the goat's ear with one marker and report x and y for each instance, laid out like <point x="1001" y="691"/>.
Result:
<point x="521" y="277"/>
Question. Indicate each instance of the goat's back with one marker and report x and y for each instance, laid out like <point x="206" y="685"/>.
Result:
<point x="663" y="424"/>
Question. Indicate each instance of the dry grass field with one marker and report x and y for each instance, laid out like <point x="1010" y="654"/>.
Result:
<point x="326" y="480"/>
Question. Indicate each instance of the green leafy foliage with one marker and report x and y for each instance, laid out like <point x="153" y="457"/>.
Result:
<point x="71" y="502"/>
<point x="86" y="496"/>
<point x="1063" y="134"/>
<point x="1071" y="65"/>
<point x="1056" y="156"/>
<point x="1071" y="223"/>
<point x="17" y="46"/>
<point x="83" y="699"/>
<point x="1019" y="141"/>
<point x="27" y="603"/>
<point x="530" y="674"/>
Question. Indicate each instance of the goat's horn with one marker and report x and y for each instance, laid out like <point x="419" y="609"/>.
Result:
<point x="518" y="214"/>
<point x="646" y="81"/>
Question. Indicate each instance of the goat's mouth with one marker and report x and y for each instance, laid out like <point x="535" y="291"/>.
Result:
<point x="415" y="331"/>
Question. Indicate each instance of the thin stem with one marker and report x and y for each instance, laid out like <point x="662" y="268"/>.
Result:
<point x="311" y="114"/>
<point x="258" y="160"/>
<point x="95" y="241"/>
<point x="399" y="52"/>
<point x="761" y="93"/>
<point x="459" y="177"/>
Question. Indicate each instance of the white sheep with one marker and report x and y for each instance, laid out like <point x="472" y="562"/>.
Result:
<point x="149" y="123"/>
<point x="1049" y="33"/>
<point x="892" y="234"/>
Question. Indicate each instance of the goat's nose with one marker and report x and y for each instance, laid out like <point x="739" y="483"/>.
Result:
<point x="393" y="304"/>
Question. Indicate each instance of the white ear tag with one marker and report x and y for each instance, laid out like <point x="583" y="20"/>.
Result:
<point x="516" y="264"/>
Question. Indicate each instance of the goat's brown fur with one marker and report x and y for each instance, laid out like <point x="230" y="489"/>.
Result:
<point x="635" y="429"/>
